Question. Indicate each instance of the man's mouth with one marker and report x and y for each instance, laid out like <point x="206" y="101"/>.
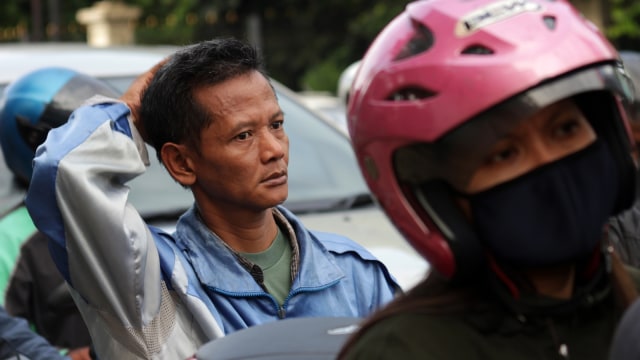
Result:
<point x="276" y="178"/>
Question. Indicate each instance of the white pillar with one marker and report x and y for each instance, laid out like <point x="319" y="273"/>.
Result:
<point x="109" y="23"/>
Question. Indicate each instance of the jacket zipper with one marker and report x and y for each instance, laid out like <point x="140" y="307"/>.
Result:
<point x="282" y="312"/>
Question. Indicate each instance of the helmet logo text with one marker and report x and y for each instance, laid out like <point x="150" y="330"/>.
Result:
<point x="493" y="13"/>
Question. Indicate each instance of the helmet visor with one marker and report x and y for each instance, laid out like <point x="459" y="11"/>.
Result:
<point x="454" y="157"/>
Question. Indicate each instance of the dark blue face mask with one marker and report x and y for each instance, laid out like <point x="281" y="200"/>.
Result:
<point x="551" y="215"/>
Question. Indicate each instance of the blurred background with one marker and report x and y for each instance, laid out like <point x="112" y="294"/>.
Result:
<point x="310" y="47"/>
<point x="306" y="44"/>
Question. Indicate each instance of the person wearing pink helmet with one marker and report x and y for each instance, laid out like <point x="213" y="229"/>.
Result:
<point x="495" y="135"/>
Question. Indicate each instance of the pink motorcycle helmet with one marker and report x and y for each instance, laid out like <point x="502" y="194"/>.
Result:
<point x="442" y="81"/>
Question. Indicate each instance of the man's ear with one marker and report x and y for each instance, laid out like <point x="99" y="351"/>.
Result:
<point x="177" y="159"/>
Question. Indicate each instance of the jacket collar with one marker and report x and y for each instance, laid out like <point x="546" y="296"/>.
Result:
<point x="218" y="268"/>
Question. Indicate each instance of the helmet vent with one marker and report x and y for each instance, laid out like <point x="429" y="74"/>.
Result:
<point x="549" y="22"/>
<point x="410" y="94"/>
<point x="477" y="50"/>
<point x="421" y="41"/>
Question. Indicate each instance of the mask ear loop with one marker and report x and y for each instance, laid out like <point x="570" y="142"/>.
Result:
<point x="502" y="276"/>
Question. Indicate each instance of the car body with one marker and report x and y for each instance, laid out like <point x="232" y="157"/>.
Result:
<point x="345" y="80"/>
<point x="326" y="189"/>
<point x="328" y="105"/>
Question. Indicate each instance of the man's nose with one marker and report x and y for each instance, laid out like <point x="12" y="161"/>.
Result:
<point x="541" y="152"/>
<point x="274" y="146"/>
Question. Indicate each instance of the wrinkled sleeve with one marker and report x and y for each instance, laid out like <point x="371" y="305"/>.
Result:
<point x="78" y="198"/>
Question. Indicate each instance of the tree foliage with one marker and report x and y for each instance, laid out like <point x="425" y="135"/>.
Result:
<point x="624" y="27"/>
<point x="305" y="44"/>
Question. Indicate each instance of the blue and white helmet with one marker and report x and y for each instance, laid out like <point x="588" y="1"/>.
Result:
<point x="37" y="102"/>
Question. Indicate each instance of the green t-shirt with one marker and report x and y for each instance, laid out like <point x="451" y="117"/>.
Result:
<point x="275" y="263"/>
<point x="15" y="228"/>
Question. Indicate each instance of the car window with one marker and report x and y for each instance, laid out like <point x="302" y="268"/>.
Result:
<point x="323" y="171"/>
<point x="120" y="83"/>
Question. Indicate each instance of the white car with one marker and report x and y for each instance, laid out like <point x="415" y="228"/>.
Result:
<point x="345" y="80"/>
<point x="326" y="189"/>
<point x="328" y="105"/>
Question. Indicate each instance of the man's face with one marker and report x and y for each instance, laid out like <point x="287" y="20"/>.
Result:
<point x="244" y="153"/>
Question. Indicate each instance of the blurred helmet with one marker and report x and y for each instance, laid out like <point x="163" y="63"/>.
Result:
<point x="441" y="82"/>
<point x="37" y="102"/>
<point x="345" y="81"/>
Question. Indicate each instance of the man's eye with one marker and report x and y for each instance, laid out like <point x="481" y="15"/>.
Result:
<point x="277" y="124"/>
<point x="243" y="136"/>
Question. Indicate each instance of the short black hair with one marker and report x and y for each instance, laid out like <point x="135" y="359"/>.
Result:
<point x="168" y="109"/>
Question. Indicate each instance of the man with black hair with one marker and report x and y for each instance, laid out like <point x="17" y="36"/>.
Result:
<point x="238" y="258"/>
